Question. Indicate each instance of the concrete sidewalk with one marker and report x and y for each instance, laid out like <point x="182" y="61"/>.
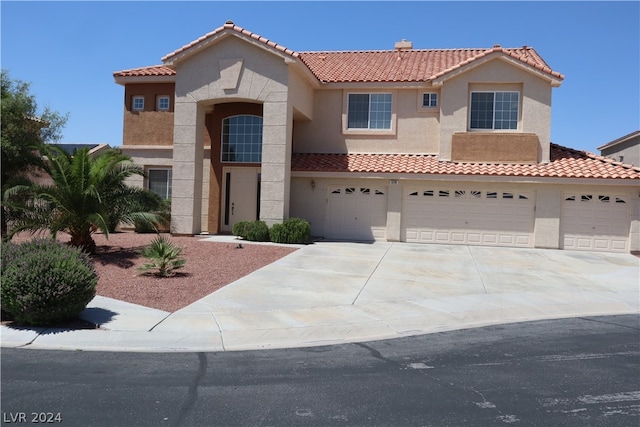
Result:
<point x="339" y="292"/>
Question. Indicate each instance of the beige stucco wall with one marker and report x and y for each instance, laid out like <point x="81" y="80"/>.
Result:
<point x="535" y="102"/>
<point x="161" y="157"/>
<point x="309" y="203"/>
<point x="232" y="70"/>
<point x="414" y="129"/>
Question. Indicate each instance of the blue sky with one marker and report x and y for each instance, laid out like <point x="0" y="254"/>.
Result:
<point x="68" y="51"/>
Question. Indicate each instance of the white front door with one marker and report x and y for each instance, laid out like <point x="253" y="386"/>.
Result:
<point x="240" y="196"/>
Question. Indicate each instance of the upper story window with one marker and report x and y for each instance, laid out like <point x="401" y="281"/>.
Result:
<point x="494" y="110"/>
<point x="242" y="139"/>
<point x="159" y="181"/>
<point x="369" y="111"/>
<point x="138" y="103"/>
<point x="163" y="103"/>
<point x="429" y="99"/>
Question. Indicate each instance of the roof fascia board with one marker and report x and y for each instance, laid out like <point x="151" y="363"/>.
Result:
<point x="216" y="38"/>
<point x="377" y="85"/>
<point x="620" y="140"/>
<point x="130" y="148"/>
<point x="439" y="81"/>
<point x="124" y="80"/>
<point x="618" y="182"/>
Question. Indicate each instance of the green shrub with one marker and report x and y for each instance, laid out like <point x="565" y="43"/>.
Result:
<point x="45" y="281"/>
<point x="163" y="256"/>
<point x="254" y="231"/>
<point x="240" y="228"/>
<point x="292" y="230"/>
<point x="257" y="231"/>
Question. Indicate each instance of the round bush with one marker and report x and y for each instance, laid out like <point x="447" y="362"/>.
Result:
<point x="45" y="281"/>
<point x="292" y="230"/>
<point x="257" y="231"/>
<point x="240" y="228"/>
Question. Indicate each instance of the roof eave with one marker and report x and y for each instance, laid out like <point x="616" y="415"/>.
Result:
<point x="620" y="140"/>
<point x="171" y="60"/>
<point x="124" y="80"/>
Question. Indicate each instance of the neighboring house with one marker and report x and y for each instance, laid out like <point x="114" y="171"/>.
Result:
<point x="625" y="149"/>
<point x="94" y="149"/>
<point x="435" y="146"/>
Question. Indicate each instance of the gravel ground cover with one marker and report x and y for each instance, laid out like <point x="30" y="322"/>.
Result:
<point x="209" y="267"/>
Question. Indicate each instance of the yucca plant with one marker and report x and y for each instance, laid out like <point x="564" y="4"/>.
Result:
<point x="163" y="256"/>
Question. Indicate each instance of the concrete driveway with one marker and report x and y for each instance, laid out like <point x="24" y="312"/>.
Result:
<point x="336" y="292"/>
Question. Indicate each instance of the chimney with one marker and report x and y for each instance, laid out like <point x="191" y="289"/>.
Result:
<point x="403" y="45"/>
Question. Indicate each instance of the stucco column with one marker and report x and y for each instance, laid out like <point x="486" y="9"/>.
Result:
<point x="546" y="232"/>
<point x="394" y="211"/>
<point x="276" y="158"/>
<point x="188" y="151"/>
<point x="634" y="231"/>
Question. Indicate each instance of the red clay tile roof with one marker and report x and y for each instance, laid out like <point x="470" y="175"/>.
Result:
<point x="154" y="70"/>
<point x="565" y="163"/>
<point x="414" y="65"/>
<point x="367" y="66"/>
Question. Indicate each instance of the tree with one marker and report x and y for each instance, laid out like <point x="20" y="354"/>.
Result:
<point x="23" y="133"/>
<point x="88" y="194"/>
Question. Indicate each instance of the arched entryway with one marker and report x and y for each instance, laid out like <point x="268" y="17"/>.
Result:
<point x="235" y="133"/>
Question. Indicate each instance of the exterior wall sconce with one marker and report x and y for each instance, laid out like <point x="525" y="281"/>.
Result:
<point x="313" y="185"/>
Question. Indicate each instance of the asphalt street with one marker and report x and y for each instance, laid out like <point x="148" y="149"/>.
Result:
<point x="571" y="372"/>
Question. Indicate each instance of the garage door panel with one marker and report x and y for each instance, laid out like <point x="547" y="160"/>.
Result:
<point x="468" y="216"/>
<point x="356" y="212"/>
<point x="474" y="238"/>
<point x="595" y="222"/>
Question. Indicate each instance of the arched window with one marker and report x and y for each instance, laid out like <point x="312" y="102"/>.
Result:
<point x="242" y="139"/>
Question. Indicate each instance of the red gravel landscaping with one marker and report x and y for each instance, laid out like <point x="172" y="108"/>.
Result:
<point x="209" y="267"/>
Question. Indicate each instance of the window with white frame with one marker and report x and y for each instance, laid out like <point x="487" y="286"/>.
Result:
<point x="163" y="103"/>
<point x="369" y="111"/>
<point x="159" y="181"/>
<point x="138" y="103"/>
<point x="429" y="99"/>
<point x="242" y="139"/>
<point x="494" y="110"/>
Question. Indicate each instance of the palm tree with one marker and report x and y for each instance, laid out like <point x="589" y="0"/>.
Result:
<point x="87" y="194"/>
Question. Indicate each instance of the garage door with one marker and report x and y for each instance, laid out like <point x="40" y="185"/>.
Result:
<point x="595" y="222"/>
<point x="468" y="216"/>
<point x="356" y="212"/>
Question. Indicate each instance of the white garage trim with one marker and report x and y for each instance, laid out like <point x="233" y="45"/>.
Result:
<point x="595" y="222"/>
<point x="470" y="216"/>
<point x="356" y="212"/>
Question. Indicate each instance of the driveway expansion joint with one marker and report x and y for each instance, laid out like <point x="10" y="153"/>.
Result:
<point x="372" y="273"/>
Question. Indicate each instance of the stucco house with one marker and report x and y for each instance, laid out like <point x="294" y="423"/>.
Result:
<point x="624" y="149"/>
<point x="413" y="145"/>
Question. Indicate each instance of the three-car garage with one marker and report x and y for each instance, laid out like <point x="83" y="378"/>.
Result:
<point x="472" y="214"/>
